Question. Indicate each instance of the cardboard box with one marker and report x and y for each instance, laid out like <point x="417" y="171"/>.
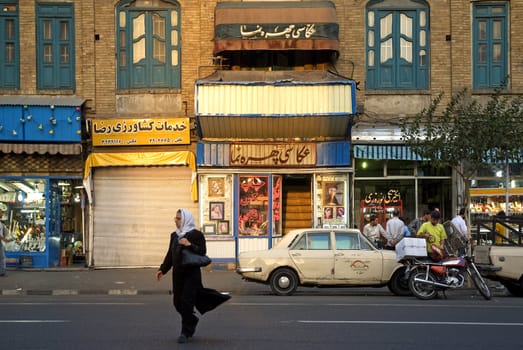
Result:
<point x="411" y="247"/>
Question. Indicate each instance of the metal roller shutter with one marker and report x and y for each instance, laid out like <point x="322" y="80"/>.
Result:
<point x="134" y="210"/>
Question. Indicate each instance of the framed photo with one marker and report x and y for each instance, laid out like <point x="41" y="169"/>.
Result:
<point x="326" y="226"/>
<point x="216" y="186"/>
<point x="223" y="227"/>
<point x="333" y="193"/>
<point x="216" y="210"/>
<point x="334" y="226"/>
<point x="209" y="229"/>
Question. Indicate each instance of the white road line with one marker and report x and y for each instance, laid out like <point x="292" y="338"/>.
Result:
<point x="35" y="321"/>
<point x="71" y="303"/>
<point x="515" y="324"/>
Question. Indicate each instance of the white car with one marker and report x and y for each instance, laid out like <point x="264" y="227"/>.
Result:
<point x="323" y="257"/>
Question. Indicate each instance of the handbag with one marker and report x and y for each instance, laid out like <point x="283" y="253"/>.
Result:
<point x="191" y="259"/>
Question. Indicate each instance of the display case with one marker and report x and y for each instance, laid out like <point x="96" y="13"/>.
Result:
<point x="27" y="228"/>
<point x="331" y="201"/>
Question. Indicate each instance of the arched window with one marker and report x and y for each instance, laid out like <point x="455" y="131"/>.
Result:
<point x="148" y="44"/>
<point x="397" y="44"/>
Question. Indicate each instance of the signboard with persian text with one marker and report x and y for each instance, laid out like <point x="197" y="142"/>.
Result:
<point x="275" y="155"/>
<point x="141" y="132"/>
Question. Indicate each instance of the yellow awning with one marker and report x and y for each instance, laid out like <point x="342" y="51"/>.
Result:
<point x="141" y="159"/>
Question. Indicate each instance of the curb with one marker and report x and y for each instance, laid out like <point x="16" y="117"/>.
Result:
<point x="66" y="292"/>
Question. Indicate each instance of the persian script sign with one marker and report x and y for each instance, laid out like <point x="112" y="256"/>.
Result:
<point x="276" y="155"/>
<point x="134" y="132"/>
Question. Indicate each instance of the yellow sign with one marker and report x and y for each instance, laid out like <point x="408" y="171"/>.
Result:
<point x="140" y="132"/>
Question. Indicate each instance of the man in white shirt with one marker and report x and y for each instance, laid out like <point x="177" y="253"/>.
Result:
<point x="459" y="222"/>
<point x="373" y="230"/>
<point x="394" y="232"/>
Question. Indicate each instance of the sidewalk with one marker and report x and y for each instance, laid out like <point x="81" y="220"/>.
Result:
<point x="129" y="281"/>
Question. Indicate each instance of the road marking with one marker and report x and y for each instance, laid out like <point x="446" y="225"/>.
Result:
<point x="399" y="305"/>
<point x="515" y="324"/>
<point x="70" y="303"/>
<point x="35" y="321"/>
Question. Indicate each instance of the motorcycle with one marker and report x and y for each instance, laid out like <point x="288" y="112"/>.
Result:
<point x="426" y="277"/>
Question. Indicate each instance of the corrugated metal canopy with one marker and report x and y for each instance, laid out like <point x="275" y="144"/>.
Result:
<point x="40" y="148"/>
<point x="275" y="105"/>
<point x="257" y="128"/>
<point x="393" y="152"/>
<point x="279" y="25"/>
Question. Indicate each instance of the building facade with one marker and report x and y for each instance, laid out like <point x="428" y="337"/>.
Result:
<point x="248" y="113"/>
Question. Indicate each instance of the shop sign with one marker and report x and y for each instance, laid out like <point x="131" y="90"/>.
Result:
<point x="392" y="197"/>
<point x="275" y="155"/>
<point x="140" y="132"/>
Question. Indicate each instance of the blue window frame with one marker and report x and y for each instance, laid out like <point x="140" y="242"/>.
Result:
<point x="148" y="44"/>
<point x="490" y="45"/>
<point x="397" y="44"/>
<point x="55" y="45"/>
<point x="9" y="46"/>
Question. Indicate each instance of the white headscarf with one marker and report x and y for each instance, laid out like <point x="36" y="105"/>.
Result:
<point x="186" y="224"/>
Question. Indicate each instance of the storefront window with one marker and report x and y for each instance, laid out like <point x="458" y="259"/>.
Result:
<point x="216" y="204"/>
<point x="369" y="168"/>
<point x="331" y="199"/>
<point x="25" y="214"/>
<point x="400" y="168"/>
<point x="43" y="218"/>
<point x="276" y="205"/>
<point x="253" y="206"/>
<point x="381" y="198"/>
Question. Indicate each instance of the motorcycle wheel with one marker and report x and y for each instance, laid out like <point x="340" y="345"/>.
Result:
<point x="479" y="282"/>
<point x="423" y="291"/>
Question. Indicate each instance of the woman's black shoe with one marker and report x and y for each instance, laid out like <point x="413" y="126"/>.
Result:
<point x="182" y="339"/>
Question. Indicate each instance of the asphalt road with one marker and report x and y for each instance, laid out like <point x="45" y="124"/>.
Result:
<point x="262" y="322"/>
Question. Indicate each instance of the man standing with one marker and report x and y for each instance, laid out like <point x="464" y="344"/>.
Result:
<point x="373" y="230"/>
<point x="394" y="232"/>
<point x="459" y="222"/>
<point x="435" y="235"/>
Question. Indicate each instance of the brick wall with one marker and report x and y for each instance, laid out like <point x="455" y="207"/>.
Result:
<point x="450" y="70"/>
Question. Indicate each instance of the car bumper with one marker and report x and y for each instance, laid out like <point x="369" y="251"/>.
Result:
<point x="242" y="270"/>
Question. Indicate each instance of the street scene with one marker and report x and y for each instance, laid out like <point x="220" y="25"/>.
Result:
<point x="245" y="174"/>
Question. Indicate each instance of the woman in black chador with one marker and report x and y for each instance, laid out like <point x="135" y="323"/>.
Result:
<point x="188" y="291"/>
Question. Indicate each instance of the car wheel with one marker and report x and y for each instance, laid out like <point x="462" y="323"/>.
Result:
<point x="516" y="289"/>
<point x="284" y="281"/>
<point x="399" y="283"/>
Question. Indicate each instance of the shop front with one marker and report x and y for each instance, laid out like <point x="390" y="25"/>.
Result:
<point x="388" y="177"/>
<point x="41" y="188"/>
<point x="276" y="188"/>
<point x="140" y="173"/>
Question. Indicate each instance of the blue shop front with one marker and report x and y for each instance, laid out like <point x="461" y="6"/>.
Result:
<point x="41" y="188"/>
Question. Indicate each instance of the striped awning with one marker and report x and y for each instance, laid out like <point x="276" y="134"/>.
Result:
<point x="278" y="25"/>
<point x="394" y="152"/>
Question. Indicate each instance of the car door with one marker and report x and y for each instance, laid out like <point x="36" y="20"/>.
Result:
<point x="313" y="256"/>
<point x="355" y="260"/>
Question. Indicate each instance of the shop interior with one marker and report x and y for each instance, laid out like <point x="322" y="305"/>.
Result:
<point x="43" y="217"/>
